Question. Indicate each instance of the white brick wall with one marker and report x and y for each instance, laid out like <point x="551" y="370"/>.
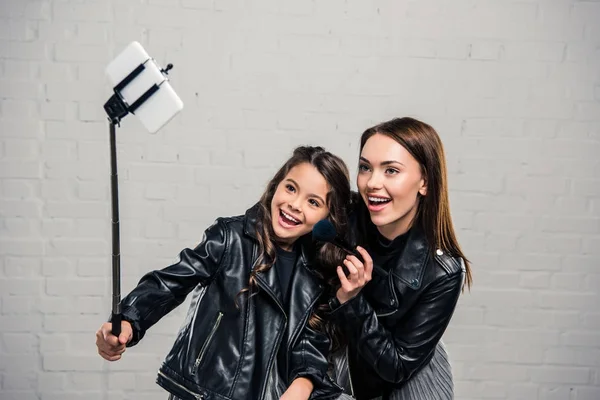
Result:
<point x="512" y="87"/>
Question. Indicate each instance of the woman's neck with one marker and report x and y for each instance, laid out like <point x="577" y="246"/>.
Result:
<point x="393" y="230"/>
<point x="384" y="248"/>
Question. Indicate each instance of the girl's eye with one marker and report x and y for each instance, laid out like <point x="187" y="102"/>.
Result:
<point x="363" y="168"/>
<point x="290" y="188"/>
<point x="313" y="202"/>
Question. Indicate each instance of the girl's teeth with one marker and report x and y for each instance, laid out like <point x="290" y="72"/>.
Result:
<point x="290" y="217"/>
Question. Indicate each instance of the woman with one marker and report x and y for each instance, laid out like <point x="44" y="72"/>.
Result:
<point x="251" y="331"/>
<point x="395" y="314"/>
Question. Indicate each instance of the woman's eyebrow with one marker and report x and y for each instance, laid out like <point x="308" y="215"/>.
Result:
<point x="388" y="162"/>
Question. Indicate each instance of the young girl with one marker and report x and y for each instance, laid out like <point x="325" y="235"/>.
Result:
<point x="251" y="327"/>
<point x="395" y="315"/>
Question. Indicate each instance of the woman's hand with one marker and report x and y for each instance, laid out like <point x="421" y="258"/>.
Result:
<point x="109" y="346"/>
<point x="359" y="275"/>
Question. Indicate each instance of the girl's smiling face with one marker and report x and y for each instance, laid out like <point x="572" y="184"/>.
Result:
<point x="299" y="202"/>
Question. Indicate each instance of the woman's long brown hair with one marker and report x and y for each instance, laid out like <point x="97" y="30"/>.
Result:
<point x="433" y="213"/>
<point x="328" y="257"/>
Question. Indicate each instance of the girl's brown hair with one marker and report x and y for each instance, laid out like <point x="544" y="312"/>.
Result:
<point x="328" y="257"/>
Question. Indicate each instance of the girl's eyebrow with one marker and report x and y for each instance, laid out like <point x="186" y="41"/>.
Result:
<point x="310" y="195"/>
<point x="383" y="163"/>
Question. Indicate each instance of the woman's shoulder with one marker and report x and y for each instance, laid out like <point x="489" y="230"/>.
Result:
<point x="448" y="264"/>
<point x="419" y="265"/>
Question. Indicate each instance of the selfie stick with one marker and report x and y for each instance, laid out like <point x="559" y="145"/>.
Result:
<point x="117" y="108"/>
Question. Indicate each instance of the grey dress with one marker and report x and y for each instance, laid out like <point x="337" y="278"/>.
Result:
<point x="433" y="382"/>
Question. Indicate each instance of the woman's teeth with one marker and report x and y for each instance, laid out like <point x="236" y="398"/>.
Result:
<point x="378" y="200"/>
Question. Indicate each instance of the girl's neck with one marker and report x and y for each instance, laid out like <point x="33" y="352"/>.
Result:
<point x="285" y="246"/>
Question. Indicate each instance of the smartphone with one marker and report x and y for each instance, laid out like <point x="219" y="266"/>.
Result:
<point x="162" y="105"/>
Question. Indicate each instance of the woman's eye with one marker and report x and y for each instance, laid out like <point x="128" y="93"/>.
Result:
<point x="363" y="168"/>
<point x="290" y="188"/>
<point x="391" y="171"/>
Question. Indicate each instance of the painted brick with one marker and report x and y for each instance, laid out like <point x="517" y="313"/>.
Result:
<point x="512" y="88"/>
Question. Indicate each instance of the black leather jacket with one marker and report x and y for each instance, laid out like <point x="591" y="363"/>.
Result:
<point x="394" y="324"/>
<point x="224" y="352"/>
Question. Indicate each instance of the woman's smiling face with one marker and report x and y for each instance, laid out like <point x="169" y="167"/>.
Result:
<point x="390" y="181"/>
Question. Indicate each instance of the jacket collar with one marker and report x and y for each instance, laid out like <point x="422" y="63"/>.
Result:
<point x="406" y="269"/>
<point x="250" y="220"/>
<point x="410" y="268"/>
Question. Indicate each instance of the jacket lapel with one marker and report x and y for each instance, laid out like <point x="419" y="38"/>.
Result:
<point x="411" y="266"/>
<point x="269" y="282"/>
<point x="406" y="270"/>
<point x="304" y="286"/>
<point x="304" y="291"/>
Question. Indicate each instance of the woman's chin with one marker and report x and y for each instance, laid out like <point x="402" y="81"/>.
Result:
<point x="379" y="220"/>
<point x="385" y="224"/>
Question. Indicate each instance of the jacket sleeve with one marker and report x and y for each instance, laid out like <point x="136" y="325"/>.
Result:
<point x="308" y="359"/>
<point x="396" y="353"/>
<point x="159" y="292"/>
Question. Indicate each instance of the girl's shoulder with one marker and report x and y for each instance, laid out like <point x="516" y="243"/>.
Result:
<point x="240" y="225"/>
<point x="231" y="222"/>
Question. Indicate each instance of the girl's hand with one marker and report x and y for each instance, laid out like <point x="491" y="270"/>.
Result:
<point x="109" y="346"/>
<point x="300" y="389"/>
<point x="359" y="275"/>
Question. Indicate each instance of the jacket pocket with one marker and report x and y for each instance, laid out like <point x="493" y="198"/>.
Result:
<point x="207" y="343"/>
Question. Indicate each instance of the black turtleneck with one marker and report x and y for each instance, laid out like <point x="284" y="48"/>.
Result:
<point x="383" y="249"/>
<point x="385" y="254"/>
<point x="285" y="264"/>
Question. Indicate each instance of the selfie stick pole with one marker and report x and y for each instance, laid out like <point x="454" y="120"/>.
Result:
<point x="117" y="108"/>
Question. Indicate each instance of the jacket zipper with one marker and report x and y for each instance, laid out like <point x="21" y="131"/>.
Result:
<point x="386" y="314"/>
<point x="267" y="289"/>
<point x="262" y="395"/>
<point x="196" y="395"/>
<point x="206" y="343"/>
<point x="304" y="323"/>
<point x="349" y="374"/>
<point x="394" y="302"/>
